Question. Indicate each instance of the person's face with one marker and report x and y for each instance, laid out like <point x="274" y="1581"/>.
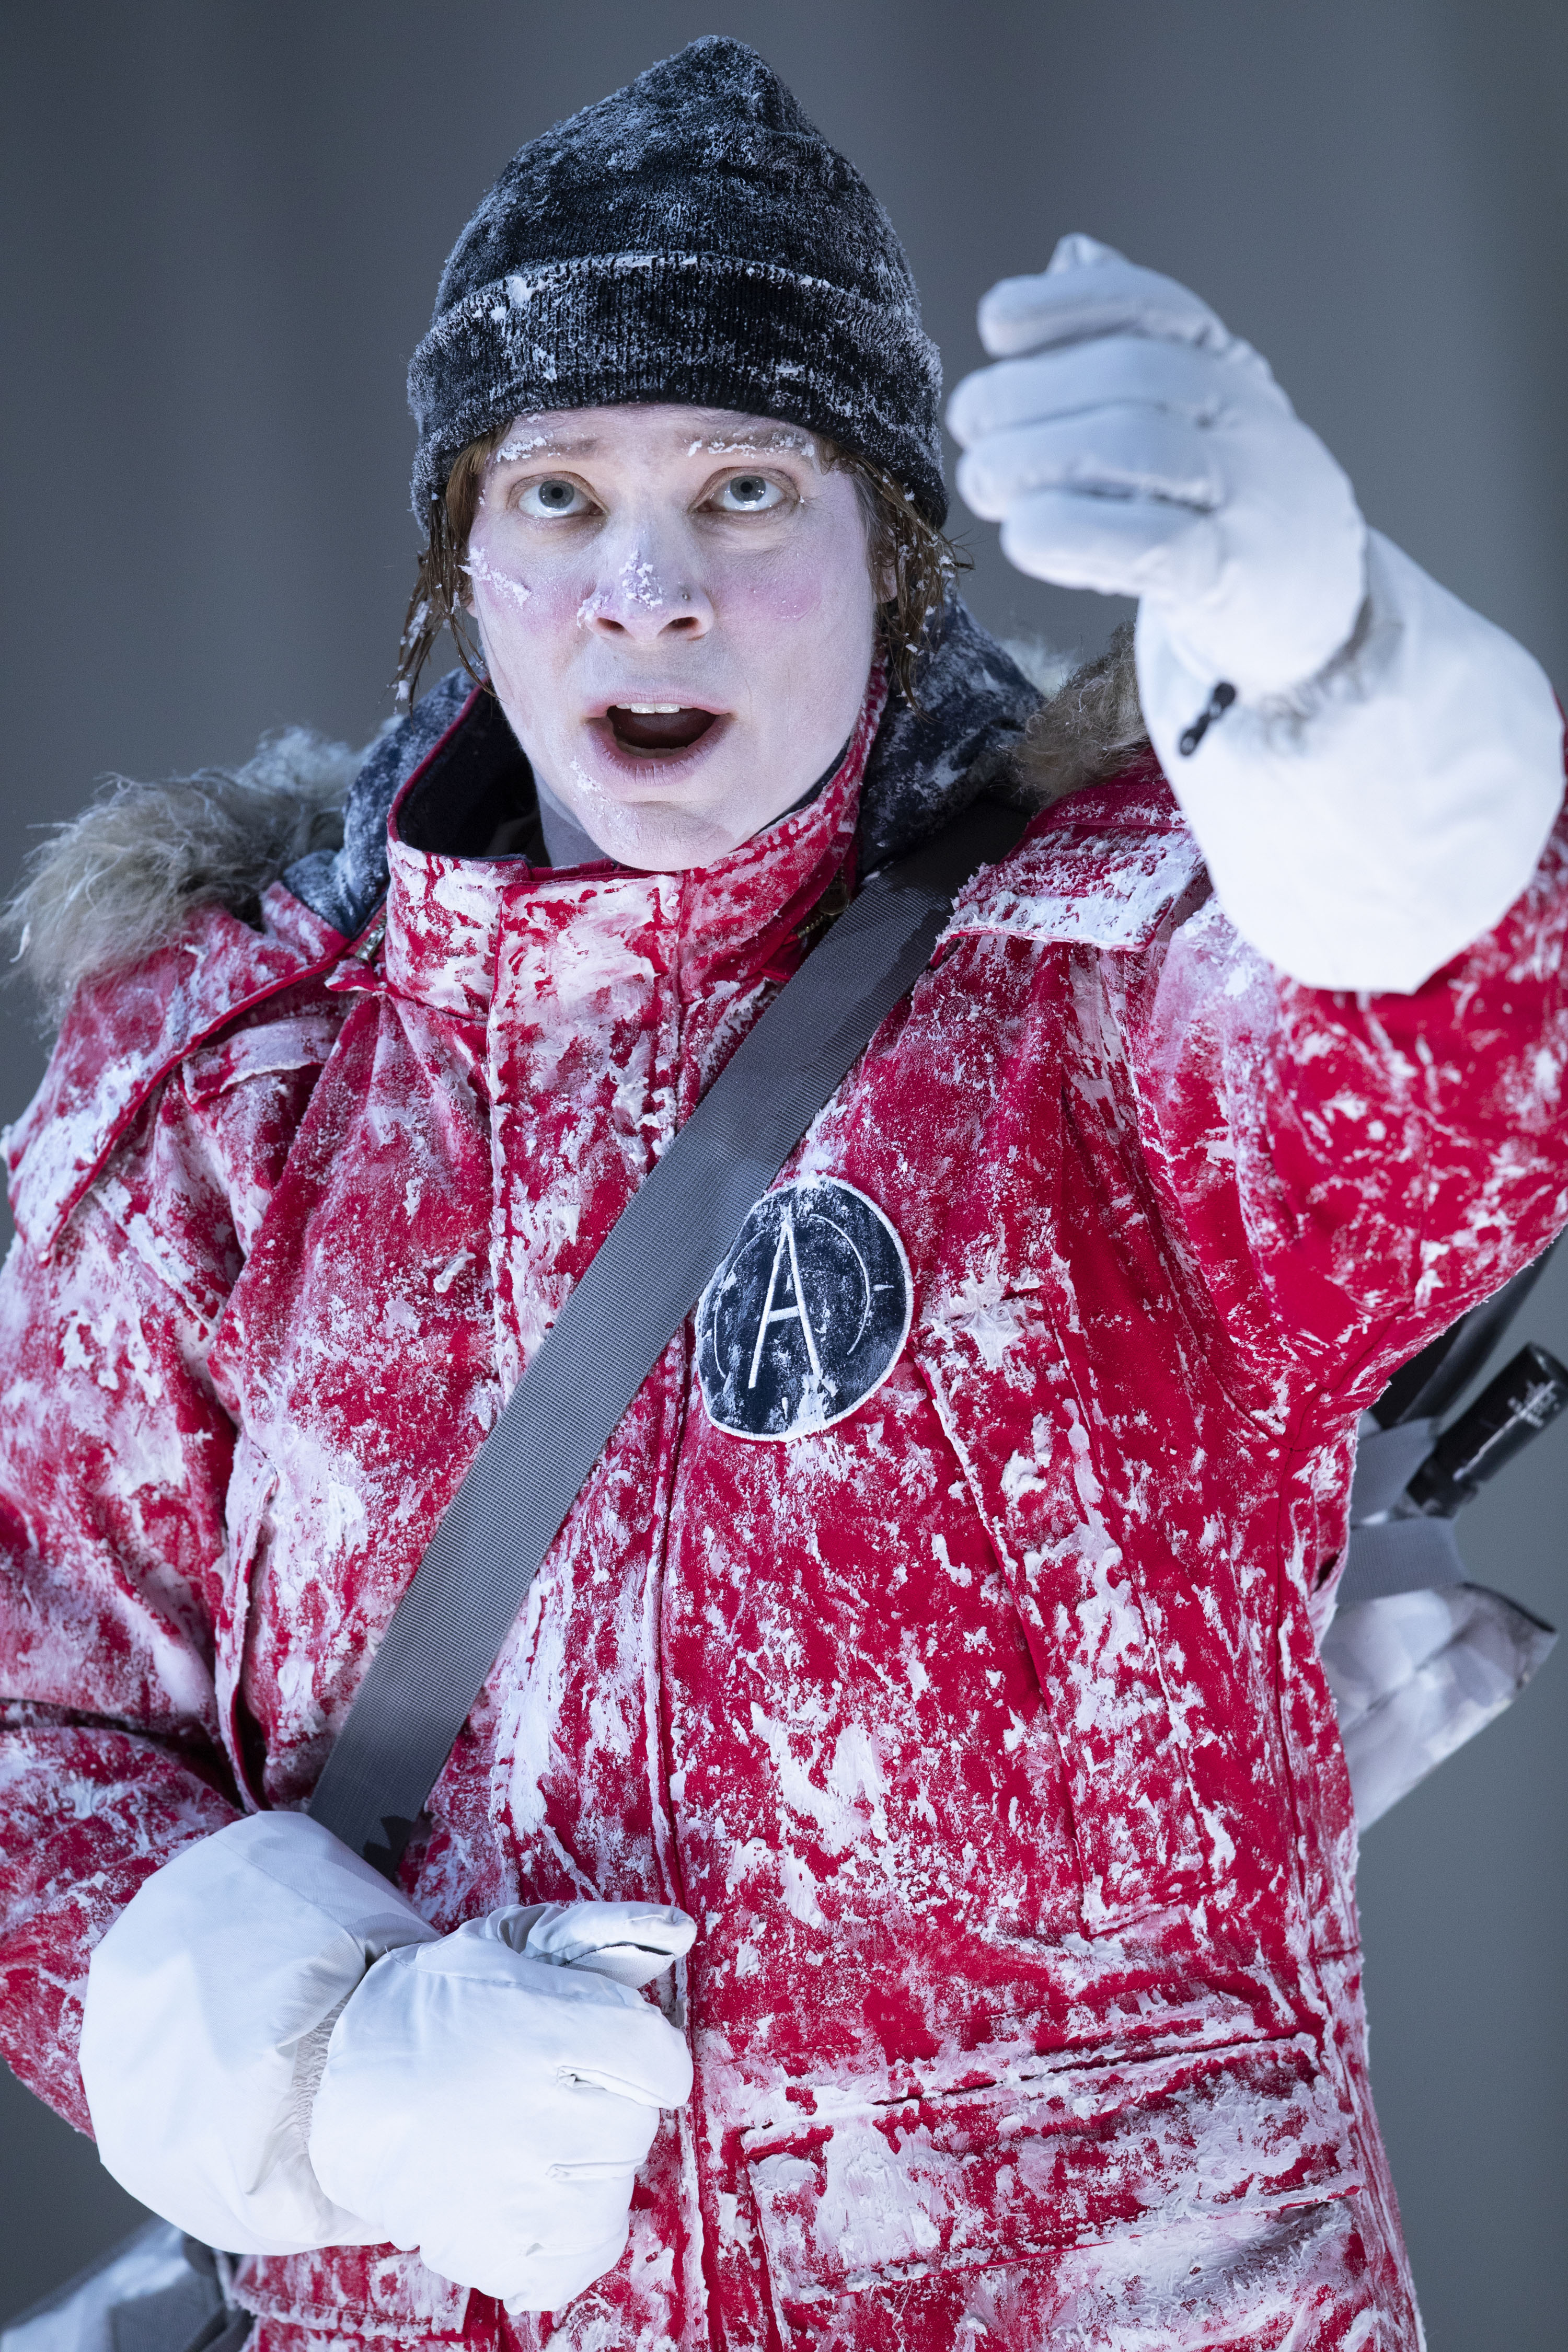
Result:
<point x="678" y="614"/>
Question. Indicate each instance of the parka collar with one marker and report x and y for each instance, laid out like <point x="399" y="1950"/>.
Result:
<point x="450" y="917"/>
<point x="924" y="766"/>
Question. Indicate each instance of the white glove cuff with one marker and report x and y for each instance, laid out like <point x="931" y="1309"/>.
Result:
<point x="1365" y="829"/>
<point x="209" y="2005"/>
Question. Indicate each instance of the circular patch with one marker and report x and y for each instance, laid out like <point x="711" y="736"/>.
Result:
<point x="807" y="1315"/>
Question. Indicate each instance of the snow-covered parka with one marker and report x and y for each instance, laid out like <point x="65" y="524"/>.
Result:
<point x="981" y="1731"/>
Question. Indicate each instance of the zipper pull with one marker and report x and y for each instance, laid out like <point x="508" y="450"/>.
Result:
<point x="366" y="949"/>
<point x="357" y="969"/>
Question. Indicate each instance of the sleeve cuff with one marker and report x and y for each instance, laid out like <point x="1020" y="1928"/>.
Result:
<point x="1365" y="829"/>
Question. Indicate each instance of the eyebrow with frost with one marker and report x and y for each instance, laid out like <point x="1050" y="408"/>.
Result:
<point x="768" y="439"/>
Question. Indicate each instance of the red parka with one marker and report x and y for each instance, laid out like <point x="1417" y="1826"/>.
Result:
<point x="981" y="1730"/>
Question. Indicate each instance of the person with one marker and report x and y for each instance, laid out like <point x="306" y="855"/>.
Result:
<point x="895" y="1887"/>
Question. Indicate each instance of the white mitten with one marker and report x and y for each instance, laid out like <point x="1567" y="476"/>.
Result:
<point x="1140" y="449"/>
<point x="490" y="2097"/>
<point x="203" y="2002"/>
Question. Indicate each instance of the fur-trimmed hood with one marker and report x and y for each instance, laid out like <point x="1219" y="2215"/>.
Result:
<point x="112" y="883"/>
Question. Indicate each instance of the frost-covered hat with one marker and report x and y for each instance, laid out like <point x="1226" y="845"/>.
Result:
<point x="694" y="238"/>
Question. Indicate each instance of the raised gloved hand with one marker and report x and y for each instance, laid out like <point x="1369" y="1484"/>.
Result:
<point x="1126" y="442"/>
<point x="489" y="2098"/>
<point x="241" y="2021"/>
<point x="1370" y="768"/>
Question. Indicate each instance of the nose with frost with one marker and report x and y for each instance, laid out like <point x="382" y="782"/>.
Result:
<point x="640" y="583"/>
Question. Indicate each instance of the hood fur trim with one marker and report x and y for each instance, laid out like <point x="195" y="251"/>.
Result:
<point x="1087" y="730"/>
<point x="106" y="888"/>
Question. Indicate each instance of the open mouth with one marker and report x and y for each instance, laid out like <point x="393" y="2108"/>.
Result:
<point x="657" y="725"/>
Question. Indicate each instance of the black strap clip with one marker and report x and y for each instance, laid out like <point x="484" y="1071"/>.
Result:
<point x="1217" y="705"/>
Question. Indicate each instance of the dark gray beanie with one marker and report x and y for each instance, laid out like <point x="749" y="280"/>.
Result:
<point x="694" y="238"/>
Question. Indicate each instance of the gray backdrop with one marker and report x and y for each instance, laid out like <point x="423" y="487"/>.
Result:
<point x="223" y="225"/>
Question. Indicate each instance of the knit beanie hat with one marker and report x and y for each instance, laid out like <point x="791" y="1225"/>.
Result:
<point x="692" y="239"/>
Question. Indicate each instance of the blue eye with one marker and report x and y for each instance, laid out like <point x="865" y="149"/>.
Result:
<point x="750" y="494"/>
<point x="553" y="496"/>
